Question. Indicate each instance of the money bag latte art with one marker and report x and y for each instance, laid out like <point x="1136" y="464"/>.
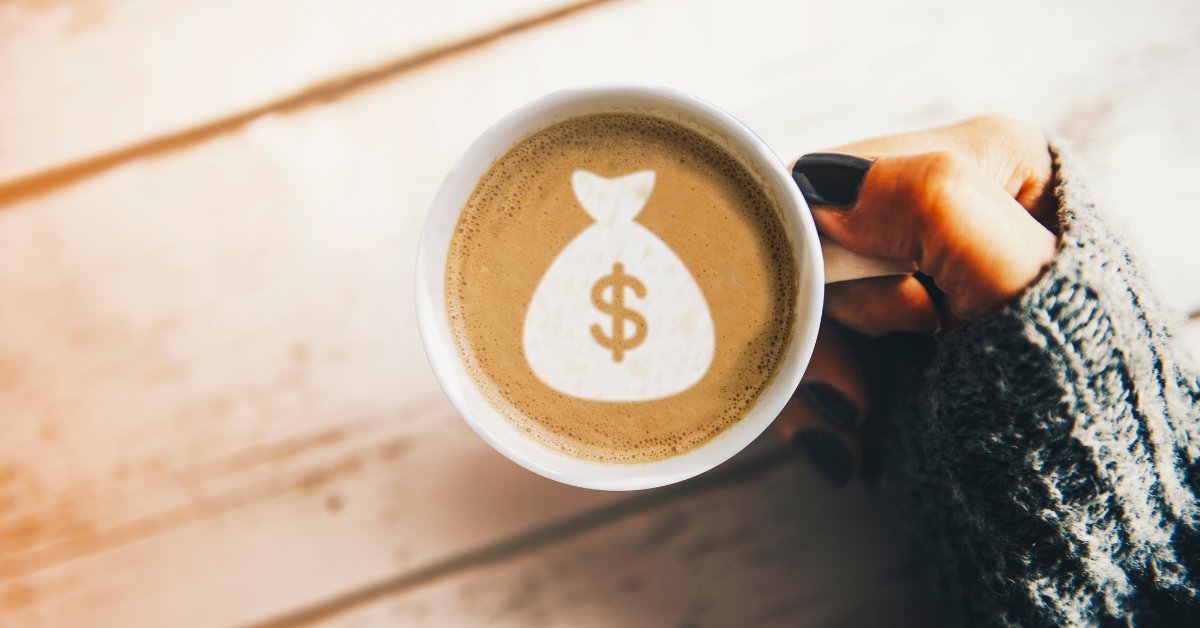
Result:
<point x="618" y="317"/>
<point x="620" y="289"/>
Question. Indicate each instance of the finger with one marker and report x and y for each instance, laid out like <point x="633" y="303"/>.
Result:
<point x="830" y="401"/>
<point x="881" y="305"/>
<point x="959" y="226"/>
<point x="1012" y="153"/>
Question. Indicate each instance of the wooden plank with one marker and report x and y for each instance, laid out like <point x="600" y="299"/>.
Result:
<point x="82" y="79"/>
<point x="192" y="346"/>
<point x="190" y="343"/>
<point x="956" y="64"/>
<point x="398" y="491"/>
<point x="781" y="551"/>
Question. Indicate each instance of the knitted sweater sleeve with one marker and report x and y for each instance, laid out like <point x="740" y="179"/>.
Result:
<point x="1050" y="450"/>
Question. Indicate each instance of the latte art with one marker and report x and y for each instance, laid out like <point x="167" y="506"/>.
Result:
<point x="620" y="288"/>
<point x="617" y="317"/>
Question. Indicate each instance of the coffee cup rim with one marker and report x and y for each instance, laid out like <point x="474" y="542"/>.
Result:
<point x="450" y="200"/>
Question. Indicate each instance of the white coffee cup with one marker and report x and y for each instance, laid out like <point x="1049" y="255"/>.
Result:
<point x="817" y="261"/>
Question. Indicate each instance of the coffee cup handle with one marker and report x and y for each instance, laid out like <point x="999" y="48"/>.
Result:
<point x="842" y="264"/>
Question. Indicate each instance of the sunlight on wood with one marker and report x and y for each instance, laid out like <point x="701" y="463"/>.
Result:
<point x="119" y="72"/>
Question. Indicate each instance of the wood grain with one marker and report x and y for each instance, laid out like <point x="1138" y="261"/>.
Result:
<point x="114" y="77"/>
<point x="781" y="551"/>
<point x="201" y="345"/>
<point x="398" y="492"/>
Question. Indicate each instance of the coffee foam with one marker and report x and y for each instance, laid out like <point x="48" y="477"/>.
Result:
<point x="704" y="205"/>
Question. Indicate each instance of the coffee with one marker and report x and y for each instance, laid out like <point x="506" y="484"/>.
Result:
<point x="691" y="303"/>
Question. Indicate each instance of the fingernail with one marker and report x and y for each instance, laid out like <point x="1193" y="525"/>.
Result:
<point x="827" y="455"/>
<point x="830" y="403"/>
<point x="830" y="179"/>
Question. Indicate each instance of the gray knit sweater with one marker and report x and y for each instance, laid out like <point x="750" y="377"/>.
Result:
<point x="1049" y="452"/>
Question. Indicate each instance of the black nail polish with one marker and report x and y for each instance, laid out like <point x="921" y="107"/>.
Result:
<point x="828" y="402"/>
<point x="830" y="179"/>
<point x="827" y="455"/>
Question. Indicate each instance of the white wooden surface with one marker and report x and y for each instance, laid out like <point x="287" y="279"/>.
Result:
<point x="744" y="555"/>
<point x="88" y="77"/>
<point x="216" y="410"/>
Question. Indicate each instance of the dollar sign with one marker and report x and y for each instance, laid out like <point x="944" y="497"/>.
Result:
<point x="618" y="343"/>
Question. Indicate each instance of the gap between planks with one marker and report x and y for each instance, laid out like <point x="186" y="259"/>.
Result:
<point x="748" y="468"/>
<point x="347" y="451"/>
<point x="330" y="90"/>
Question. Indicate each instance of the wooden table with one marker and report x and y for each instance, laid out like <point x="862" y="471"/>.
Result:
<point x="215" y="408"/>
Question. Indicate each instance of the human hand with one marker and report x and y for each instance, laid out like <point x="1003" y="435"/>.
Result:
<point x="970" y="204"/>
